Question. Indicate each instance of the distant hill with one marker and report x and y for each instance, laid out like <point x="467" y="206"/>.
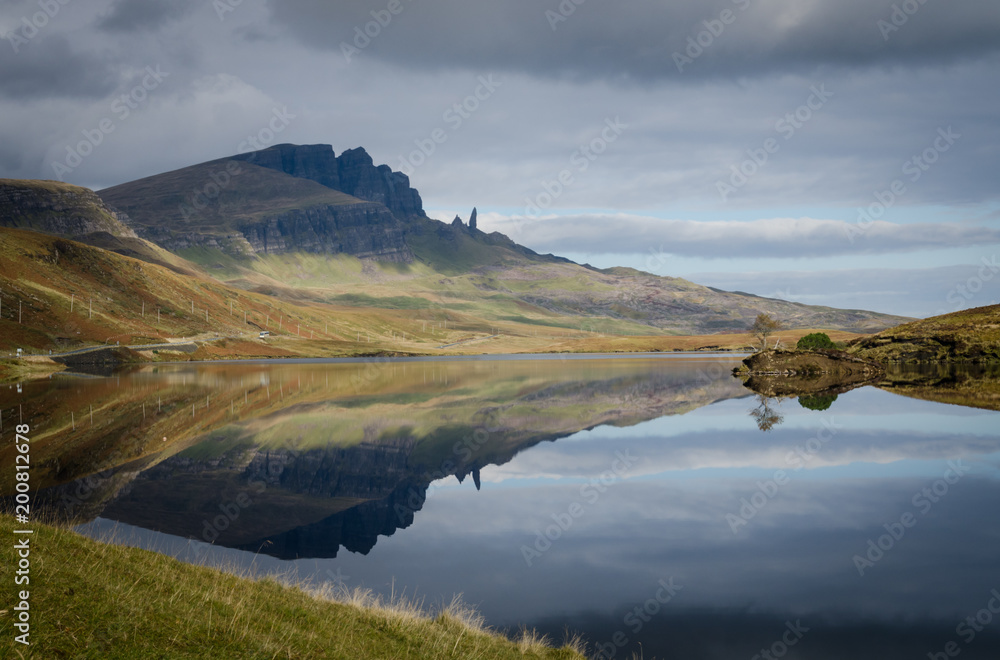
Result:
<point x="303" y="223"/>
<point x="971" y="335"/>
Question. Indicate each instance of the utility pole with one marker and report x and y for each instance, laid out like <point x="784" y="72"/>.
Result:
<point x="192" y="307"/>
<point x="143" y="309"/>
<point x="72" y="301"/>
<point x="157" y="315"/>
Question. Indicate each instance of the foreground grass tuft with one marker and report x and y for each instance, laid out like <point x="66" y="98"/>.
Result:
<point x="98" y="600"/>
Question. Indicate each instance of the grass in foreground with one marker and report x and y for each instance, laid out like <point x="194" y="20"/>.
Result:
<point x="97" y="600"/>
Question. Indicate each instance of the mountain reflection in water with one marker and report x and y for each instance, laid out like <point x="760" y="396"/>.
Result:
<point x="504" y="480"/>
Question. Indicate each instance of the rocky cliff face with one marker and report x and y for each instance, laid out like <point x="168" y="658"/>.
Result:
<point x="57" y="208"/>
<point x="362" y="230"/>
<point x="357" y="529"/>
<point x="353" y="172"/>
<point x="360" y="177"/>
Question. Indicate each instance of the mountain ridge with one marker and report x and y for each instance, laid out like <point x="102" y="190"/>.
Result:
<point x="275" y="222"/>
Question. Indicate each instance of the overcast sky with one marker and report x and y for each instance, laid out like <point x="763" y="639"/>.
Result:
<point x="732" y="142"/>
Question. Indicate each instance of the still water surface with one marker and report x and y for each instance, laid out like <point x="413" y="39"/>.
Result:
<point x="634" y="500"/>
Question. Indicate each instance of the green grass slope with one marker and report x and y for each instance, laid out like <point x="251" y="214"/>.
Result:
<point x="59" y="294"/>
<point x="971" y="335"/>
<point x="96" y="600"/>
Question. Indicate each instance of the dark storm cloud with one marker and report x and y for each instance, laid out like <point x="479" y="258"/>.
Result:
<point x="50" y="67"/>
<point x="130" y="15"/>
<point x="638" y="39"/>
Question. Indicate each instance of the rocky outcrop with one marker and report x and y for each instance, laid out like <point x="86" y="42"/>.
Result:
<point x="359" y="177"/>
<point x="366" y="471"/>
<point x="353" y="172"/>
<point x="316" y="162"/>
<point x="798" y="373"/>
<point x="808" y="363"/>
<point x="362" y="230"/>
<point x="58" y="208"/>
<point x="357" y="529"/>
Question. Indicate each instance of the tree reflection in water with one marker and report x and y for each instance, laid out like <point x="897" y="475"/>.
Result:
<point x="765" y="415"/>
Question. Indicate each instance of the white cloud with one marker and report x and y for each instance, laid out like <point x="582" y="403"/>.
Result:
<point x="626" y="234"/>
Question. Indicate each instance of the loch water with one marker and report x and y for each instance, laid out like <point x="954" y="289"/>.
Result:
<point x="650" y="503"/>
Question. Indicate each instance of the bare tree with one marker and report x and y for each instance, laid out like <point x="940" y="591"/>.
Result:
<point x="766" y="416"/>
<point x="763" y="327"/>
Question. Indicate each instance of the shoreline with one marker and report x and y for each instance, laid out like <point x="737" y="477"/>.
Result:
<point x="169" y="599"/>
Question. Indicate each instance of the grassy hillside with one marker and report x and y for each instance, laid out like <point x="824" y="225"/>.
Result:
<point x="542" y="296"/>
<point x="451" y="266"/>
<point x="248" y="192"/>
<point x="96" y="600"/>
<point x="58" y="294"/>
<point x="383" y="308"/>
<point x="971" y="335"/>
